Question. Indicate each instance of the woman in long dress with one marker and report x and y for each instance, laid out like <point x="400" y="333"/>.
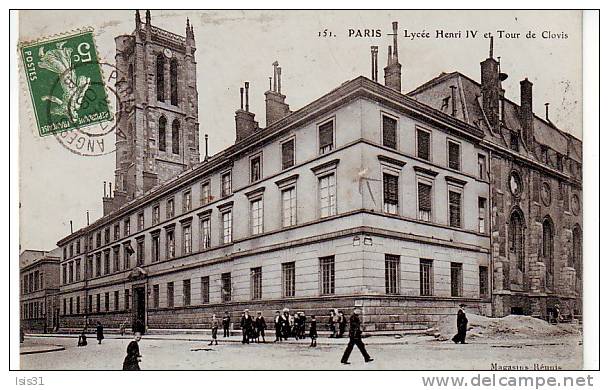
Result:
<point x="133" y="358"/>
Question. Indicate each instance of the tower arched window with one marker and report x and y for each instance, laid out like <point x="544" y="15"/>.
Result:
<point x="175" y="137"/>
<point x="160" y="78"/>
<point x="173" y="81"/>
<point x="516" y="238"/>
<point x="162" y="133"/>
<point x="577" y="251"/>
<point x="547" y="250"/>
<point x="131" y="75"/>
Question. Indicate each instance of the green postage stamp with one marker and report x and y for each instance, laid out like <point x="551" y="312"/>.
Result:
<point x="65" y="82"/>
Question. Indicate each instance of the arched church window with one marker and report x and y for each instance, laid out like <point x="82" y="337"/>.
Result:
<point x="547" y="249"/>
<point x="131" y="76"/>
<point x="175" y="137"/>
<point x="160" y="78"/>
<point x="162" y="133"/>
<point x="516" y="238"/>
<point x="577" y="251"/>
<point x="173" y="81"/>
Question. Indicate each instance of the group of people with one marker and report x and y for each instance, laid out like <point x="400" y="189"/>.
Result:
<point x="292" y="325"/>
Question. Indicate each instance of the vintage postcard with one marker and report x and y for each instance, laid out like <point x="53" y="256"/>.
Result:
<point x="301" y="190"/>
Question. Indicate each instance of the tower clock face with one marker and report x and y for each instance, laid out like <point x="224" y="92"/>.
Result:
<point x="546" y="194"/>
<point x="515" y="184"/>
<point x="168" y="53"/>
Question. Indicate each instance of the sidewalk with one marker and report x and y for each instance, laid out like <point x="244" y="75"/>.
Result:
<point x="25" y="349"/>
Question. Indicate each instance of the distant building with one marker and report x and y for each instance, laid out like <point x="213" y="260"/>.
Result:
<point x="39" y="286"/>
<point x="402" y="204"/>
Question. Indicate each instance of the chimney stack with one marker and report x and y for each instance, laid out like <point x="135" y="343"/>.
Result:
<point x="206" y="148"/>
<point x="547" y="112"/>
<point x="491" y="88"/>
<point x="110" y="189"/>
<point x="393" y="70"/>
<point x="71" y="227"/>
<point x="374" y="51"/>
<point x="105" y="193"/>
<point x="244" y="119"/>
<point x="276" y="107"/>
<point x="526" y="112"/>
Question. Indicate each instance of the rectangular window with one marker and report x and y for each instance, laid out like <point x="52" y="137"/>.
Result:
<point x="77" y="305"/>
<point x="288" y="200"/>
<point x="98" y="265"/>
<point x="156" y="247"/>
<point x="454" y="208"/>
<point x="392" y="274"/>
<point x="326" y="137"/>
<point x="514" y="144"/>
<point x="98" y="303"/>
<point x="89" y="270"/>
<point x="116" y="293"/>
<point x="107" y="301"/>
<point x="77" y="272"/>
<point x="255" y="169"/>
<point x="288" y="279"/>
<point x="140" y="252"/>
<point x="205" y="233"/>
<point x="187" y="238"/>
<point x="170" y="294"/>
<point x="227" y="227"/>
<point x="226" y="283"/>
<point x="226" y="184"/>
<point x="116" y="258"/>
<point x="205" y="193"/>
<point x="65" y="252"/>
<point x="98" y="239"/>
<point x="170" y="208"/>
<point x="326" y="270"/>
<point x="390" y="126"/>
<point x="390" y="193"/>
<point x="454" y="155"/>
<point x="205" y="289"/>
<point x="71" y="306"/>
<point x="482" y="166"/>
<point x="481" y="215"/>
<point x="71" y="275"/>
<point x="127" y="227"/>
<point x="78" y="244"/>
<point x="186" y="201"/>
<point x="90" y="246"/>
<point x="107" y="235"/>
<point x="127" y="250"/>
<point x="127" y="299"/>
<point x="65" y="308"/>
<point x="140" y="221"/>
<point x="426" y="277"/>
<point x="106" y="262"/>
<point x="256" y="283"/>
<point x="155" y="296"/>
<point x="71" y="250"/>
<point x="424" y="197"/>
<point x="256" y="215"/>
<point x="186" y="291"/>
<point x="156" y="214"/>
<point x="423" y="144"/>
<point x="456" y="279"/>
<point x="117" y="231"/>
<point x="327" y="195"/>
<point x="483" y="278"/>
<point x="90" y="304"/>
<point x="171" y="245"/>
<point x="64" y="273"/>
<point x="287" y="154"/>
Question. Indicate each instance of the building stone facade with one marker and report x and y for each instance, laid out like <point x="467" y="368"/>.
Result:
<point x="396" y="203"/>
<point x="39" y="288"/>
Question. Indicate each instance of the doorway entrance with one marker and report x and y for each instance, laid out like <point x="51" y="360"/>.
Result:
<point x="139" y="309"/>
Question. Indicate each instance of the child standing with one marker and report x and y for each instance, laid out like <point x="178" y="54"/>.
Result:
<point x="214" y="330"/>
<point x="313" y="332"/>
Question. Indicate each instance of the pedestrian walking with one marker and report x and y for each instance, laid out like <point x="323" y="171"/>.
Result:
<point x="332" y="323"/>
<point x="99" y="329"/>
<point x="133" y="358"/>
<point x="246" y="326"/>
<point x="260" y="327"/>
<point x="214" y="330"/>
<point x="313" y="332"/>
<point x="342" y="323"/>
<point x="355" y="338"/>
<point x="277" y="322"/>
<point x="302" y="324"/>
<point x="226" y="324"/>
<point x="461" y="326"/>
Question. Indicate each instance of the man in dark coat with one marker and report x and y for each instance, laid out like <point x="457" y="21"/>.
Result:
<point x="133" y="358"/>
<point x="246" y="326"/>
<point x="278" y="324"/>
<point x="313" y="332"/>
<point x="226" y="324"/>
<point x="342" y="324"/>
<point x="355" y="338"/>
<point x="260" y="326"/>
<point x="100" y="332"/>
<point x="461" y="326"/>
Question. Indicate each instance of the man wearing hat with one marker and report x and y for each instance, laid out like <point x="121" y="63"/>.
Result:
<point x="355" y="338"/>
<point x="246" y="326"/>
<point x="226" y="324"/>
<point x="461" y="326"/>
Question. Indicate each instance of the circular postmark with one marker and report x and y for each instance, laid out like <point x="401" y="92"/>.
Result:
<point x="96" y="139"/>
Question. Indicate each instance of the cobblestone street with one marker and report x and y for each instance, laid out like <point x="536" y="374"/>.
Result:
<point x="410" y="352"/>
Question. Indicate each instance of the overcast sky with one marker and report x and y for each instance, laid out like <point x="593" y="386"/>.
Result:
<point x="235" y="46"/>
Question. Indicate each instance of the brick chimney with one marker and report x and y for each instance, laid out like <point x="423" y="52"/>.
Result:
<point x="526" y="112"/>
<point x="276" y="107"/>
<point x="244" y="119"/>
<point x="393" y="70"/>
<point x="491" y="88"/>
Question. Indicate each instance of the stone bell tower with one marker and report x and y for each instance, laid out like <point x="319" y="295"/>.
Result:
<point x="157" y="112"/>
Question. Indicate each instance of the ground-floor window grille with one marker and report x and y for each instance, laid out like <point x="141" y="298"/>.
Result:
<point x="426" y="277"/>
<point x="326" y="267"/>
<point x="456" y="279"/>
<point x="288" y="273"/>
<point x="155" y="296"/>
<point x="170" y="294"/>
<point x="205" y="289"/>
<point x="186" y="292"/>
<point x="256" y="283"/>
<point x="392" y="274"/>
<point x="226" y="281"/>
<point x="483" y="275"/>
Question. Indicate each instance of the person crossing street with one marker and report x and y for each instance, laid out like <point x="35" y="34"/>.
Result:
<point x="355" y="338"/>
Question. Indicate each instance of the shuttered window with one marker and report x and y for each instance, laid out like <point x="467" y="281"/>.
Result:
<point x="390" y="132"/>
<point x="390" y="193"/>
<point x="454" y="155"/>
<point x="287" y="154"/>
<point x="326" y="137"/>
<point x="424" y="201"/>
<point x="423" y="141"/>
<point x="454" y="204"/>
